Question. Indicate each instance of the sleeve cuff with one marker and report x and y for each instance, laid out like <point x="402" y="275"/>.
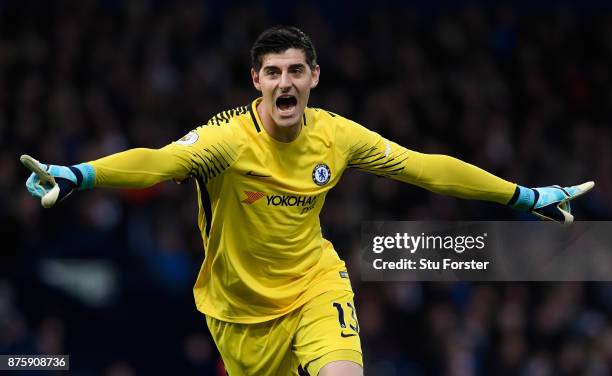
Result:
<point x="89" y="176"/>
<point x="523" y="199"/>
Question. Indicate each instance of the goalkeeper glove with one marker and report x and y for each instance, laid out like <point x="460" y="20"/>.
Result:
<point x="549" y="203"/>
<point x="53" y="183"/>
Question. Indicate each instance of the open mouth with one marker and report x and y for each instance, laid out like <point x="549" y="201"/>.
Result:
<point x="286" y="104"/>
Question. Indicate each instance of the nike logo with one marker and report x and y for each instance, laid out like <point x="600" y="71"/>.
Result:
<point x="251" y="173"/>
<point x="342" y="334"/>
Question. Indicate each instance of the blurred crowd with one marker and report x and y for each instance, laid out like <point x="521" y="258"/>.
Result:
<point x="524" y="91"/>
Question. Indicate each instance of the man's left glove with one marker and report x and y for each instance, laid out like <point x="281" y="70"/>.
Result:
<point x="549" y="203"/>
<point x="52" y="183"/>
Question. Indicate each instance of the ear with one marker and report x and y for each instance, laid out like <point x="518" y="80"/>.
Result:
<point x="316" y="72"/>
<point x="255" y="78"/>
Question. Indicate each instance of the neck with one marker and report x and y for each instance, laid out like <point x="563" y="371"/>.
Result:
<point x="282" y="134"/>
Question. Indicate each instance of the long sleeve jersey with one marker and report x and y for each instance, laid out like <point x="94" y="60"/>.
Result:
<point x="259" y="201"/>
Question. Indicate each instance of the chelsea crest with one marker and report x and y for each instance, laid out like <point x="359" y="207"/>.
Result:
<point x="321" y="174"/>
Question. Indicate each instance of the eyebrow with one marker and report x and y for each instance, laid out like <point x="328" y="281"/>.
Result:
<point x="292" y="66"/>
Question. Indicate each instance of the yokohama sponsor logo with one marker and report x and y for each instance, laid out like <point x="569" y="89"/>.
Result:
<point x="278" y="200"/>
<point x="251" y="197"/>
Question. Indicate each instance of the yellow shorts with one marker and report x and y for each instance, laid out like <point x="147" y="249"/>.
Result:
<point x="323" y="330"/>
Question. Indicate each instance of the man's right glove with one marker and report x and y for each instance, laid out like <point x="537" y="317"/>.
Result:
<point x="549" y="203"/>
<point x="53" y="183"/>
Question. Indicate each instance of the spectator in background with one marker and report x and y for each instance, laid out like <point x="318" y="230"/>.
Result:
<point x="96" y="77"/>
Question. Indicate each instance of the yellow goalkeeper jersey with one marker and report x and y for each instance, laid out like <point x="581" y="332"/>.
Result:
<point x="260" y="199"/>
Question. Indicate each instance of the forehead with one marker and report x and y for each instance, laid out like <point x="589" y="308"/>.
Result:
<point x="291" y="56"/>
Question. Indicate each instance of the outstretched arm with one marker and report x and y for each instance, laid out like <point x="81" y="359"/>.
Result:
<point x="452" y="177"/>
<point x="139" y="168"/>
<point x="204" y="152"/>
<point x="134" y="168"/>
<point x="368" y="151"/>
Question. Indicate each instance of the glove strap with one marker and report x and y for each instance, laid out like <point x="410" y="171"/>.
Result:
<point x="524" y="199"/>
<point x="85" y="175"/>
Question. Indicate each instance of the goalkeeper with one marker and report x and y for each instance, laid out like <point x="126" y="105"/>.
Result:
<point x="277" y="298"/>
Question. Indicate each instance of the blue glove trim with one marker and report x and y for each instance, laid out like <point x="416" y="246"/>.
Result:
<point x="524" y="199"/>
<point x="89" y="175"/>
<point x="77" y="173"/>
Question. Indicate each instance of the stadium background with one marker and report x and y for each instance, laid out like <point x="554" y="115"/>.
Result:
<point x="522" y="90"/>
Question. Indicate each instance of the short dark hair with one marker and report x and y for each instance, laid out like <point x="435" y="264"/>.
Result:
<point x="278" y="39"/>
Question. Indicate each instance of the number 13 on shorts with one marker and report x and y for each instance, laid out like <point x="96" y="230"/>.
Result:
<point x="352" y="327"/>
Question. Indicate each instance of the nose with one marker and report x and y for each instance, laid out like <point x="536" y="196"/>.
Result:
<point x="285" y="81"/>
